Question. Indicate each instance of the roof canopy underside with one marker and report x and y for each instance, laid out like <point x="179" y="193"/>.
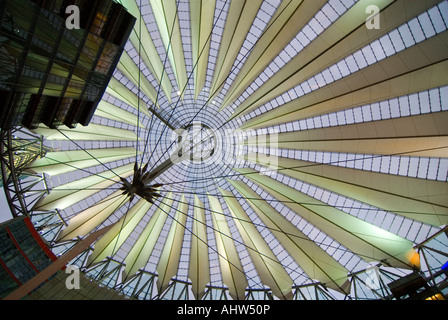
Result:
<point x="331" y="154"/>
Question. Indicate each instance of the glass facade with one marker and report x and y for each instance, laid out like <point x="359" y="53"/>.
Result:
<point x="23" y="254"/>
<point x="52" y="74"/>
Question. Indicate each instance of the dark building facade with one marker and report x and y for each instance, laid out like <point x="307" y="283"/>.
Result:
<point x="23" y="254"/>
<point x="54" y="73"/>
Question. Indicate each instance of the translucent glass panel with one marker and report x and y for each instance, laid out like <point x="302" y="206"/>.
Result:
<point x="428" y="101"/>
<point x="329" y="13"/>
<point x="416" y="30"/>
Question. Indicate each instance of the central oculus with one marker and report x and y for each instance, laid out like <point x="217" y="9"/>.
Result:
<point x="196" y="142"/>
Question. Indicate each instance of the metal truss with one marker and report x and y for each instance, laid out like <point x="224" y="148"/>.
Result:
<point x="18" y="148"/>
<point x="434" y="257"/>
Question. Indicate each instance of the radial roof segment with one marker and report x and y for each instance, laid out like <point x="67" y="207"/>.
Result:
<point x="167" y="18"/>
<point x="109" y="111"/>
<point x="413" y="136"/>
<point x="229" y="262"/>
<point x="141" y="39"/>
<point x="386" y="90"/>
<point x="238" y="21"/>
<point x="201" y="19"/>
<point x="89" y="133"/>
<point x="352" y="23"/>
<point x="142" y="249"/>
<point x="290" y="17"/>
<point x="131" y="71"/>
<point x="60" y="162"/>
<point x="314" y="260"/>
<point x="199" y="271"/>
<point x="116" y="236"/>
<point x="86" y="221"/>
<point x="417" y="199"/>
<point x="266" y="263"/>
<point x="170" y="257"/>
<point x="355" y="234"/>
<point x="257" y="148"/>
<point x="70" y="193"/>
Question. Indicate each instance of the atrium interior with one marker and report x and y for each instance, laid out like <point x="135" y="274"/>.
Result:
<point x="218" y="149"/>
